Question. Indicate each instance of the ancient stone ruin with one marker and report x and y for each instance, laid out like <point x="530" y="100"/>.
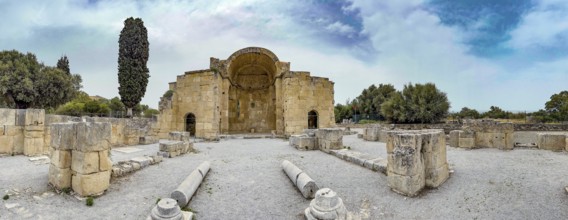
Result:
<point x="80" y="157"/>
<point x="252" y="91"/>
<point x="325" y="139"/>
<point x="416" y="158"/>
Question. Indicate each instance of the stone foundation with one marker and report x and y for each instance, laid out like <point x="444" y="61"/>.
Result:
<point x="329" y="139"/>
<point x="416" y="158"/>
<point x="177" y="144"/>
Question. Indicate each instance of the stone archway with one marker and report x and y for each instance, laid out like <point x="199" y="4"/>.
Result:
<point x="312" y="119"/>
<point x="252" y="95"/>
<point x="190" y="123"/>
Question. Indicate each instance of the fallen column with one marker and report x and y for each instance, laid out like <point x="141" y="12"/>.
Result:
<point x="303" y="182"/>
<point x="187" y="188"/>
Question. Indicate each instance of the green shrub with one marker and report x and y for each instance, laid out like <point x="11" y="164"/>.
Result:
<point x="90" y="201"/>
<point x="6" y="197"/>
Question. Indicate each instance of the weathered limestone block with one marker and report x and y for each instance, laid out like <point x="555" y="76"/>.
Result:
<point x="93" y="136"/>
<point x="454" y="138"/>
<point x="329" y="139"/>
<point x="148" y="140"/>
<point x="187" y="188"/>
<point x="303" y="142"/>
<point x="168" y="209"/>
<point x="90" y="184"/>
<point x="33" y="140"/>
<point x="463" y="139"/>
<point x="416" y="159"/>
<point x="179" y="136"/>
<point x="34" y="117"/>
<point x="7" y="116"/>
<point x="301" y="180"/>
<point x="105" y="163"/>
<point x="551" y="141"/>
<point x="60" y="158"/>
<point x="326" y="205"/>
<point x="63" y="135"/>
<point x="143" y="161"/>
<point x="6" y="144"/>
<point x="60" y="178"/>
<point x="85" y="162"/>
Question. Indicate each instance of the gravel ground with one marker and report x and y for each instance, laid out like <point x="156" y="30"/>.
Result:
<point x="246" y="182"/>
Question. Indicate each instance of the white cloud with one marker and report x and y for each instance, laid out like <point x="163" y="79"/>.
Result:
<point x="338" y="27"/>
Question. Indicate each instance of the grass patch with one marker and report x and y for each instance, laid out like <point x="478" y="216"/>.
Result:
<point x="368" y="121"/>
<point x="90" y="201"/>
<point x="6" y="197"/>
<point x="66" y="190"/>
<point x="158" y="200"/>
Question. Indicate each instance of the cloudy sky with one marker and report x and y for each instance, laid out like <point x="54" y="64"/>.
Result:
<point x="508" y="53"/>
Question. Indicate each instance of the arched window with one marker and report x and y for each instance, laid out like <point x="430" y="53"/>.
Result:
<point x="312" y="120"/>
<point x="190" y="123"/>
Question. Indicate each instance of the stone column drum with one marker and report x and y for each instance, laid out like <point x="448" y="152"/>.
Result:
<point x="326" y="205"/>
<point x="301" y="180"/>
<point x="187" y="188"/>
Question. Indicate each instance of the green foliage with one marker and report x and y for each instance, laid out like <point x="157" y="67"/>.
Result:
<point x="371" y="99"/>
<point x="557" y="106"/>
<point x="367" y="121"/>
<point x="26" y="83"/>
<point x="168" y="94"/>
<point x="63" y="64"/>
<point x="66" y="190"/>
<point x="158" y="200"/>
<point x="116" y="105"/>
<point x="6" y="197"/>
<point x="148" y="113"/>
<point x="495" y="112"/>
<point x="90" y="201"/>
<point x="419" y="103"/>
<point x="468" y="113"/>
<point x="342" y="112"/>
<point x="133" y="55"/>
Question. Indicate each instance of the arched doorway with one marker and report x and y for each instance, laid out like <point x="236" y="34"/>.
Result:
<point x="190" y="123"/>
<point x="312" y="120"/>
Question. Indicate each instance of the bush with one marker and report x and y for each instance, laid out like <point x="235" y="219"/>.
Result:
<point x="90" y="201"/>
<point x="416" y="104"/>
<point x="6" y="197"/>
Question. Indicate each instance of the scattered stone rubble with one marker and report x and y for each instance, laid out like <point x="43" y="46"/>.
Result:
<point x="301" y="180"/>
<point x="177" y="144"/>
<point x="362" y="159"/>
<point x="123" y="168"/>
<point x="416" y="158"/>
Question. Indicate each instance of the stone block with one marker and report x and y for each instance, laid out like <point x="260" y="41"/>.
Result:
<point x="6" y="144"/>
<point x="33" y="146"/>
<point x="59" y="177"/>
<point x="157" y="158"/>
<point x="179" y="136"/>
<point x="85" y="162"/>
<point x="436" y="176"/>
<point x="105" y="163"/>
<point x="63" y="135"/>
<point x="90" y="184"/>
<point x="454" y="138"/>
<point x="143" y="161"/>
<point x="406" y="185"/>
<point x="13" y="130"/>
<point x="7" y="116"/>
<point x="550" y="141"/>
<point x="34" y="117"/>
<point x="405" y="161"/>
<point x="94" y="136"/>
<point x="60" y="158"/>
<point x="329" y="139"/>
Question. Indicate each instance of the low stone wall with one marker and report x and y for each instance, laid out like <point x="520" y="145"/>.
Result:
<point x="123" y="168"/>
<point x="27" y="131"/>
<point x="177" y="144"/>
<point x="325" y="139"/>
<point x="80" y="157"/>
<point x="362" y="159"/>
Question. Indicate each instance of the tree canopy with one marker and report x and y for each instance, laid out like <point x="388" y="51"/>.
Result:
<point x="133" y="55"/>
<point x="557" y="106"/>
<point x="419" y="103"/>
<point x="371" y="99"/>
<point x="26" y="83"/>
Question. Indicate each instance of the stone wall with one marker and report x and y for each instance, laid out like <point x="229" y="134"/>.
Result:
<point x="302" y="94"/>
<point x="27" y="131"/>
<point x="197" y="93"/>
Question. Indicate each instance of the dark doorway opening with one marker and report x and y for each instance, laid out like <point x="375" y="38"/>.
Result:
<point x="312" y="120"/>
<point x="190" y="124"/>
